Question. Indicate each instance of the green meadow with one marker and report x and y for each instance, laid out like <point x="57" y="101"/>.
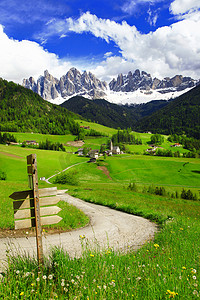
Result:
<point x="166" y="268"/>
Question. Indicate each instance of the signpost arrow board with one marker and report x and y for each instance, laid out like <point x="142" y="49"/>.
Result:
<point x="35" y="207"/>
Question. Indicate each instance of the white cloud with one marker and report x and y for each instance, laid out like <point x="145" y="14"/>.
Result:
<point x="184" y="6"/>
<point x="152" y="17"/>
<point x="131" y="6"/>
<point x="21" y="59"/>
<point x="167" y="51"/>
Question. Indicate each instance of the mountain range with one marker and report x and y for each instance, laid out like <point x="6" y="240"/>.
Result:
<point x="136" y="87"/>
<point x="23" y="110"/>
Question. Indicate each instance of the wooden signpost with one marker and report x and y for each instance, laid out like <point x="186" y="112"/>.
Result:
<point x="35" y="207"/>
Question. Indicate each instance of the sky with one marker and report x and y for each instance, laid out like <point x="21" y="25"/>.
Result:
<point x="106" y="37"/>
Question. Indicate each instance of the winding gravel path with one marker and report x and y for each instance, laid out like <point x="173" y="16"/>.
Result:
<point x="107" y="227"/>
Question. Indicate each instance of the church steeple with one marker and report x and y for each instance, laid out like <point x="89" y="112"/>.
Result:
<point x="111" y="145"/>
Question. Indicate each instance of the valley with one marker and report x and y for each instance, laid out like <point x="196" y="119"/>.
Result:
<point x="160" y="185"/>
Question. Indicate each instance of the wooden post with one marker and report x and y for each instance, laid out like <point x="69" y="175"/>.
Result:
<point x="32" y="172"/>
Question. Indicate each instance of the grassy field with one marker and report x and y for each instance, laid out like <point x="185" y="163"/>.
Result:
<point x="13" y="162"/>
<point x="165" y="268"/>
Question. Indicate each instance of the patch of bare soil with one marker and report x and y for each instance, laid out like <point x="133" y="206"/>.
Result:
<point x="105" y="171"/>
<point x="11" y="155"/>
<point x="76" y="143"/>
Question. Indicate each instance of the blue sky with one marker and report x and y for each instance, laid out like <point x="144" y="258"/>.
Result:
<point x="105" y="37"/>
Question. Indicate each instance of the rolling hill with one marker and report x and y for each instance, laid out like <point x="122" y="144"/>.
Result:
<point x="23" y="110"/>
<point x="181" y="115"/>
<point x="109" y="114"/>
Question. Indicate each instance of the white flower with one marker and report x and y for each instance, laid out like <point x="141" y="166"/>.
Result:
<point x="194" y="277"/>
<point x="17" y="272"/>
<point x="27" y="274"/>
<point x="38" y="279"/>
<point x="62" y="283"/>
<point x="50" y="276"/>
<point x="138" y="278"/>
<point x="44" y="277"/>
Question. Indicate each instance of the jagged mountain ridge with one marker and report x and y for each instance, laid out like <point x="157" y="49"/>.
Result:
<point x="50" y="88"/>
<point x="137" y="84"/>
<point x="144" y="81"/>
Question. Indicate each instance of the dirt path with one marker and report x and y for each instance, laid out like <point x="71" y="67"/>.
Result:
<point x="107" y="227"/>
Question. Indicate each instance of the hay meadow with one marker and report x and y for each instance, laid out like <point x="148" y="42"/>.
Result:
<point x="167" y="267"/>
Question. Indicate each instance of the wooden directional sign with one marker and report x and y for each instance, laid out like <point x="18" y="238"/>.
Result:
<point x="23" y="206"/>
<point x="35" y="207"/>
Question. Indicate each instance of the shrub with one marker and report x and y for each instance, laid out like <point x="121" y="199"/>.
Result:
<point x="132" y="186"/>
<point x="3" y="175"/>
<point x="71" y="177"/>
<point x="188" y="195"/>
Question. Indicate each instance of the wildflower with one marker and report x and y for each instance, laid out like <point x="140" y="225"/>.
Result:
<point x="44" y="277"/>
<point x="27" y="274"/>
<point x="181" y="228"/>
<point x="65" y="289"/>
<point x="72" y="281"/>
<point x="194" y="277"/>
<point x="156" y="246"/>
<point x="82" y="236"/>
<point x="62" y="283"/>
<point x="38" y="279"/>
<point x="184" y="268"/>
<point x="32" y="284"/>
<point x="92" y="255"/>
<point x="194" y="271"/>
<point x="159" y="274"/>
<point x="138" y="278"/>
<point x="195" y="284"/>
<point x="171" y="294"/>
<point x="22" y="293"/>
<point x="195" y="292"/>
<point x="50" y="276"/>
<point x="104" y="287"/>
<point x="17" y="272"/>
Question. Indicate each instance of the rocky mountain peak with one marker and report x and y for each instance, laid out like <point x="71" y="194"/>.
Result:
<point x="73" y="82"/>
<point x="143" y="81"/>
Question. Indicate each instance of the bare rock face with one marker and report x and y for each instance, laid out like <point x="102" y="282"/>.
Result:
<point x="86" y="84"/>
<point x="49" y="87"/>
<point x="143" y="81"/>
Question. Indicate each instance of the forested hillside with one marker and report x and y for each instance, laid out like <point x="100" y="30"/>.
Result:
<point x="181" y="115"/>
<point x="109" y="114"/>
<point x="23" y="110"/>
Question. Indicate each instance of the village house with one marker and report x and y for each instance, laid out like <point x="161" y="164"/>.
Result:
<point x="176" y="145"/>
<point x="79" y="152"/>
<point x="93" y="154"/>
<point x="31" y="143"/>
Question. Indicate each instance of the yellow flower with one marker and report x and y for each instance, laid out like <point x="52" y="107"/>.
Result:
<point x="22" y="293"/>
<point x="92" y="255"/>
<point x="156" y="246"/>
<point x="184" y="268"/>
